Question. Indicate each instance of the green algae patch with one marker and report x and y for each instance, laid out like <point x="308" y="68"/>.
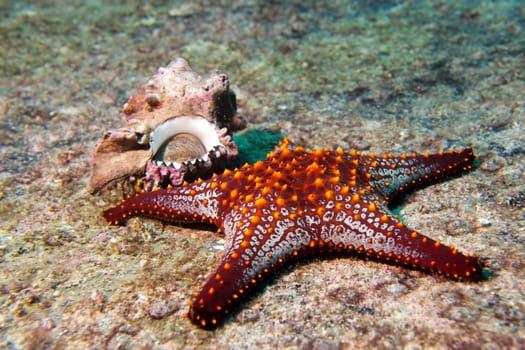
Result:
<point x="254" y="145"/>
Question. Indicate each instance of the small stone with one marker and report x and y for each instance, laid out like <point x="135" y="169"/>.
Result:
<point x="484" y="222"/>
<point x="493" y="163"/>
<point x="47" y="324"/>
<point x="52" y="239"/>
<point x="247" y="316"/>
<point x="324" y="344"/>
<point x="161" y="308"/>
<point x="184" y="10"/>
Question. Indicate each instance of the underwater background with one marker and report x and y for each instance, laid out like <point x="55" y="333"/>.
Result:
<point x="376" y="76"/>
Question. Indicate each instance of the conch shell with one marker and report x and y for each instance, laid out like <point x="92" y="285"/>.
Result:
<point x="178" y="127"/>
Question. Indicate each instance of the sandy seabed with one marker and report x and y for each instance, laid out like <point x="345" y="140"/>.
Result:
<point x="382" y="77"/>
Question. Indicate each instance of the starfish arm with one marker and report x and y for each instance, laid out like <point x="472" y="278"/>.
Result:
<point x="197" y="202"/>
<point x="391" y="175"/>
<point x="230" y="282"/>
<point x="369" y="228"/>
<point x="252" y="252"/>
<point x="219" y="294"/>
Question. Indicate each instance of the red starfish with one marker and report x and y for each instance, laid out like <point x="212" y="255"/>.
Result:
<point x="301" y="203"/>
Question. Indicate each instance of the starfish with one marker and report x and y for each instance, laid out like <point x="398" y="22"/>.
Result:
<point x="298" y="203"/>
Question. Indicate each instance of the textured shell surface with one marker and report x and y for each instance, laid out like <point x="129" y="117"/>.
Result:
<point x="177" y="126"/>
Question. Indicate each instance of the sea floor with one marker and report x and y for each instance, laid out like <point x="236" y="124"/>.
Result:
<point x="377" y="76"/>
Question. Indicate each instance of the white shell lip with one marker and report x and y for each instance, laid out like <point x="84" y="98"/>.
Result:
<point x="199" y="127"/>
